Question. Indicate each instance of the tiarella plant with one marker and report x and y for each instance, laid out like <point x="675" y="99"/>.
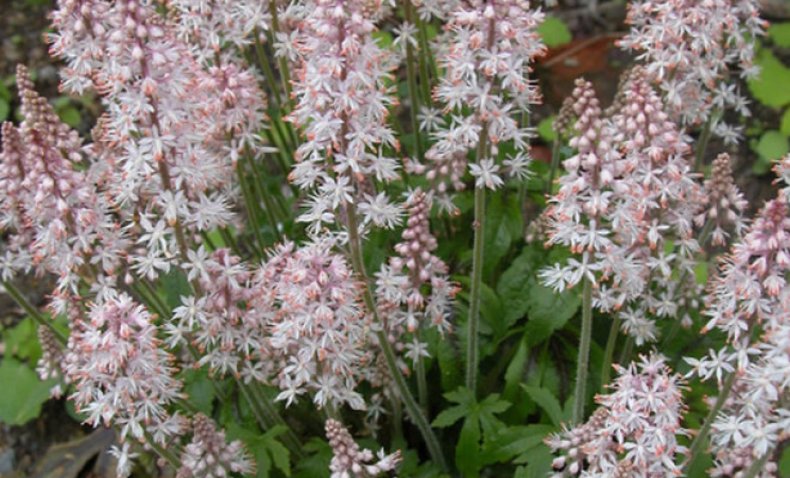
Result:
<point x="293" y="220"/>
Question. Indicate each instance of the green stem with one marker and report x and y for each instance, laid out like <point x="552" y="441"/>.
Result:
<point x="269" y="409"/>
<point x="230" y="241"/>
<point x="412" y="408"/>
<point x="606" y="367"/>
<point x="161" y="305"/>
<point x="267" y="417"/>
<point x="580" y="395"/>
<point x="250" y="206"/>
<point x="555" y="163"/>
<point x="397" y="422"/>
<point x="162" y="451"/>
<point x="422" y="384"/>
<point x="260" y="191"/>
<point x="144" y="296"/>
<point x="473" y="322"/>
<point x="207" y="239"/>
<point x="33" y="311"/>
<point x="702" y="142"/>
<point x="427" y="62"/>
<point x="280" y="156"/>
<point x="285" y="74"/>
<point x="625" y="355"/>
<point x="282" y="131"/>
<point x="757" y="467"/>
<point x="702" y="436"/>
<point x="263" y="62"/>
<point x="411" y="75"/>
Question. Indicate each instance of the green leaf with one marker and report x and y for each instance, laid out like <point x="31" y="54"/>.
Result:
<point x="476" y="416"/>
<point x="201" y="393"/>
<point x="515" y="370"/>
<point x="317" y="463"/>
<point x="22" y="340"/>
<point x="546" y="129"/>
<point x="554" y="32"/>
<point x="383" y="38"/>
<point x="546" y="401"/>
<point x="266" y="449"/>
<point x="497" y="234"/>
<point x="467" y="451"/>
<point x="773" y="145"/>
<point x="449" y="416"/>
<point x="449" y="365"/>
<point x="513" y="441"/>
<point x="521" y="293"/>
<point x="5" y="109"/>
<point x="70" y="115"/>
<point x="466" y="402"/>
<point x="780" y="34"/>
<point x="538" y="461"/>
<point x="174" y="285"/>
<point x="279" y="453"/>
<point x="5" y="93"/>
<point x="490" y="406"/>
<point x="784" y="462"/>
<point x="514" y="284"/>
<point x="21" y="402"/>
<point x="785" y="124"/>
<point x="548" y="311"/>
<point x="770" y="88"/>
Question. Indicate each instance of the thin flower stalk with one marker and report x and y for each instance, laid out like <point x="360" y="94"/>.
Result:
<point x="582" y="364"/>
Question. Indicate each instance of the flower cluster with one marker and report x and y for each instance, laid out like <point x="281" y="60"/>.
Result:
<point x="342" y="105"/>
<point x="723" y="204"/>
<point x="750" y="301"/>
<point x="162" y="151"/>
<point x="626" y="191"/>
<point x="402" y="283"/>
<point x="634" y="432"/>
<point x="50" y="363"/>
<point x="120" y="372"/>
<point x="317" y="331"/>
<point x="487" y="58"/>
<point x="58" y="223"/>
<point x="217" y="322"/>
<point x="690" y="50"/>
<point x="349" y="460"/>
<point x="208" y="455"/>
<point x="210" y="26"/>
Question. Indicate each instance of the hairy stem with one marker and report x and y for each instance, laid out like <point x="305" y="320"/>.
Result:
<point x="555" y="163"/>
<point x="251" y="208"/>
<point x="702" y="436"/>
<point x="422" y="384"/>
<point x="169" y="456"/>
<point x="757" y="466"/>
<point x="411" y="74"/>
<point x="580" y="393"/>
<point x="606" y="367"/>
<point x="702" y="141"/>
<point x="32" y="311"/>
<point x="473" y="322"/>
<point x="628" y="348"/>
<point x="427" y="64"/>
